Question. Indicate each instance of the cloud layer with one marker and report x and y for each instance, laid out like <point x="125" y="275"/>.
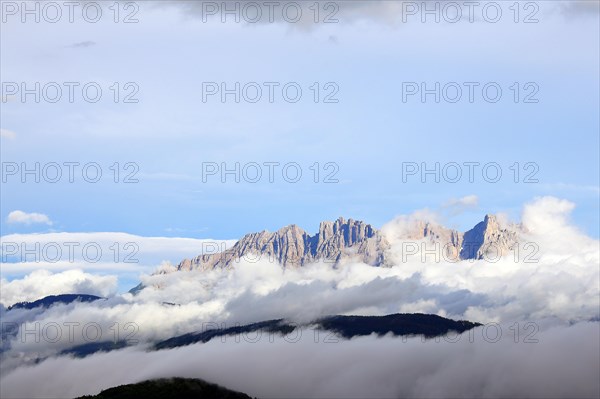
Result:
<point x="564" y="363"/>
<point x="109" y="251"/>
<point x="42" y="283"/>
<point x="554" y="285"/>
<point x="373" y="11"/>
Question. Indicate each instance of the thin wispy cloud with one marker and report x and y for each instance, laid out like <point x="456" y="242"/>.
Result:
<point x="7" y="134"/>
<point x="84" y="44"/>
<point x="110" y="251"/>
<point x="459" y="205"/>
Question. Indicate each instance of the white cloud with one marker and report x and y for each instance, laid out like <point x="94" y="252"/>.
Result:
<point x="469" y="200"/>
<point x="546" y="214"/>
<point x="458" y="205"/>
<point x="561" y="263"/>
<point x="548" y="219"/>
<point x="560" y="288"/>
<point x="564" y="363"/>
<point x="28" y="218"/>
<point x="556" y="278"/>
<point x="42" y="283"/>
<point x="113" y="250"/>
<point x="16" y="269"/>
<point x="7" y="134"/>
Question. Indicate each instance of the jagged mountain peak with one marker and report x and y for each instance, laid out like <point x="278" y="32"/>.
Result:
<point x="341" y="239"/>
<point x="491" y="221"/>
<point x="291" y="229"/>
<point x="487" y="237"/>
<point x="292" y="246"/>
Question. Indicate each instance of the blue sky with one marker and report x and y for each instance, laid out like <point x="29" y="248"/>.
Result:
<point x="368" y="134"/>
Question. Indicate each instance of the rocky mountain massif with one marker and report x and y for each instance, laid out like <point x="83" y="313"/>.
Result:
<point x="351" y="239"/>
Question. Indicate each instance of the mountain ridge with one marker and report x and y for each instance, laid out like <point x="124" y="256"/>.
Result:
<point x="51" y="300"/>
<point x="341" y="240"/>
<point x="343" y="326"/>
<point x="293" y="246"/>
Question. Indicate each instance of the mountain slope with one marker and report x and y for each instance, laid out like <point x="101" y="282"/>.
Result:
<point x="169" y="388"/>
<point x="50" y="300"/>
<point x="399" y="324"/>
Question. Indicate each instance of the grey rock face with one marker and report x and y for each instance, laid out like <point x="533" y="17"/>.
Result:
<point x="449" y="240"/>
<point x="342" y="240"/>
<point x="487" y="240"/>
<point x="291" y="246"/>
